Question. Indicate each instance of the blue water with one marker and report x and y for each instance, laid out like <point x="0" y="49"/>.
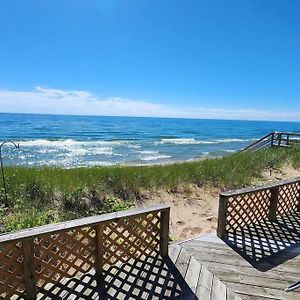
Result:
<point x="70" y="141"/>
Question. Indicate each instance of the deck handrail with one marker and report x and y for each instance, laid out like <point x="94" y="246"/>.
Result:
<point x="258" y="188"/>
<point x="32" y="260"/>
<point x="73" y="224"/>
<point x="243" y="207"/>
<point x="272" y="139"/>
<point x="268" y="136"/>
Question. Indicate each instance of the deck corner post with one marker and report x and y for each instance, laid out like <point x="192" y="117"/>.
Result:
<point x="222" y="214"/>
<point x="273" y="203"/>
<point x="99" y="252"/>
<point x="29" y="269"/>
<point x="164" y="232"/>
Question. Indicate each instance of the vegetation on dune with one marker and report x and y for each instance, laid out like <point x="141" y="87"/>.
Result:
<point x="43" y="195"/>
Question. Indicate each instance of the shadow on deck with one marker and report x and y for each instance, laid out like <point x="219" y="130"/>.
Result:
<point x="268" y="243"/>
<point x="153" y="278"/>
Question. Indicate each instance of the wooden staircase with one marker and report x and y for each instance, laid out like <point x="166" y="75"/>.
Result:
<point x="274" y="139"/>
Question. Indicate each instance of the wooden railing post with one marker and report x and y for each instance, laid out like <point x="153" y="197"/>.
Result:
<point x="298" y="198"/>
<point x="29" y="269"/>
<point x="164" y="232"/>
<point x="222" y="214"/>
<point x="279" y="138"/>
<point x="272" y="139"/>
<point x="99" y="253"/>
<point x="273" y="203"/>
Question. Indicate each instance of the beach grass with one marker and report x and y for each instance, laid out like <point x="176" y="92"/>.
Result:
<point x="43" y="195"/>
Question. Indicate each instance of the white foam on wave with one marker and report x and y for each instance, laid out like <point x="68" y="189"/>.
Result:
<point x="99" y="163"/>
<point x="183" y="141"/>
<point x="101" y="151"/>
<point x="147" y="152"/>
<point x="77" y="152"/>
<point x="73" y="143"/>
<point x="192" y="141"/>
<point x="154" y="157"/>
<point x="47" y="143"/>
<point x="72" y="148"/>
<point x="229" y="151"/>
<point x="233" y="140"/>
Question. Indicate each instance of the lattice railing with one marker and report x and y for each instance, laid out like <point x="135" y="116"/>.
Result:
<point x="35" y="260"/>
<point x="244" y="207"/>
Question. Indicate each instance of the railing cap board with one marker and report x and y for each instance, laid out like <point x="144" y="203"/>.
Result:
<point x="82" y="222"/>
<point x="290" y="133"/>
<point x="258" y="188"/>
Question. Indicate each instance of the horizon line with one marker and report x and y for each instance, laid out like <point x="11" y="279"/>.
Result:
<point x="149" y="117"/>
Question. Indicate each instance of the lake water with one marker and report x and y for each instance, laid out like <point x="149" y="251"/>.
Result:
<point x="70" y="141"/>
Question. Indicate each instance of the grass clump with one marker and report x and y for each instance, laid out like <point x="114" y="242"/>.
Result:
<point x="43" y="195"/>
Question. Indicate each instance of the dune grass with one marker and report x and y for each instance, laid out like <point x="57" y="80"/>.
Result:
<point x="43" y="195"/>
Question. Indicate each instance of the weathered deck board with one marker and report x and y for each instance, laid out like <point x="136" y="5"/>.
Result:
<point x="204" y="284"/>
<point x="218" y="290"/>
<point x="192" y="274"/>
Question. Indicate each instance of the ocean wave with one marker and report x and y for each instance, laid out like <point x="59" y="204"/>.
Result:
<point x="232" y="140"/>
<point x="154" y="157"/>
<point x="73" y="143"/>
<point x="183" y="141"/>
<point x="205" y="153"/>
<point x="147" y="152"/>
<point x="70" y="148"/>
<point x="99" y="163"/>
<point x="101" y="151"/>
<point x="192" y="141"/>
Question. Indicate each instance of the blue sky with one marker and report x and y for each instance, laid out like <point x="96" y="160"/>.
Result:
<point x="234" y="59"/>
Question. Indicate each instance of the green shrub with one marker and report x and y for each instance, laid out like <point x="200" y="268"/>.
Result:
<point x="42" y="195"/>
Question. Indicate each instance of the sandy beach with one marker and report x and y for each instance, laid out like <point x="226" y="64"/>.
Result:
<point x="194" y="209"/>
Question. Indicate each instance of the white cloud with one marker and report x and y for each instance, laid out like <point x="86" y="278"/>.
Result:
<point x="57" y="101"/>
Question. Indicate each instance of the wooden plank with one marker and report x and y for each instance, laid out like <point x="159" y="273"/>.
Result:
<point x="218" y="290"/>
<point x="183" y="262"/>
<point x="257" y="142"/>
<point x="250" y="297"/>
<point x="250" y="279"/>
<point x="260" y="187"/>
<point x="192" y="274"/>
<point x="29" y="270"/>
<point x="258" y="291"/>
<point x="82" y="222"/>
<point x="289" y="266"/>
<point x="273" y="203"/>
<point x="216" y="267"/>
<point x="99" y="251"/>
<point x="232" y="258"/>
<point x="174" y="252"/>
<point x="204" y="284"/>
<point x="222" y="214"/>
<point x="164" y="232"/>
<point x="232" y="295"/>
